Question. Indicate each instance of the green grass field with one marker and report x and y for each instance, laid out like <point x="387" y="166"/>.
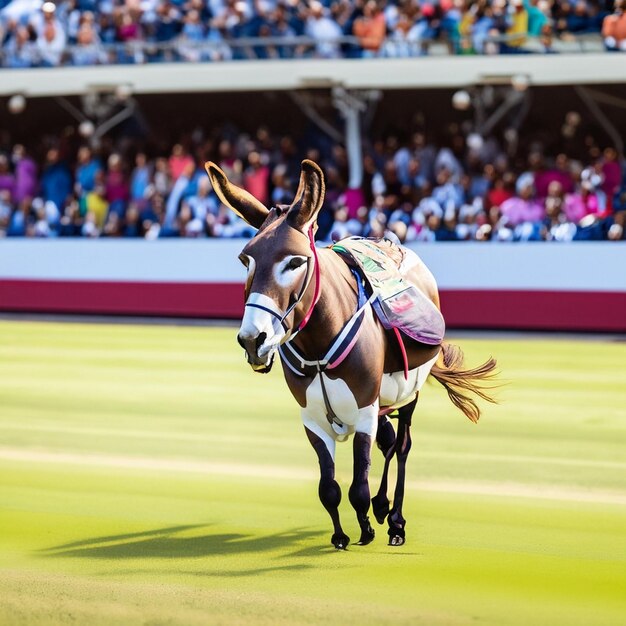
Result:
<point x="147" y="476"/>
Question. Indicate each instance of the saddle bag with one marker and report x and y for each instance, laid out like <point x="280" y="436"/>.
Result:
<point x="398" y="303"/>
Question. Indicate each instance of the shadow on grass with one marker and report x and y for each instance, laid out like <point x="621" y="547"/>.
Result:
<point x="171" y="543"/>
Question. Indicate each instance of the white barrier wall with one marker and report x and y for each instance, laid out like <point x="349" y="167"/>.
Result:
<point x="529" y="266"/>
<point x="570" y="286"/>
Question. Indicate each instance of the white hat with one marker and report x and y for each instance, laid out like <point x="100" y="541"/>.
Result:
<point x="525" y="180"/>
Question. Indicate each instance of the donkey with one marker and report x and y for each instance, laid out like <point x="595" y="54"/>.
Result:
<point x="346" y="370"/>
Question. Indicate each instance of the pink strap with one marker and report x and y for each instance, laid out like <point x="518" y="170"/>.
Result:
<point x="404" y="357"/>
<point x="316" y="271"/>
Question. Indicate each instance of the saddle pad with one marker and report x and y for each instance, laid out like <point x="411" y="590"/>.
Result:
<point x="398" y="304"/>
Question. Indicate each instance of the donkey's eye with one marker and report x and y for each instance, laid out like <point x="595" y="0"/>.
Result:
<point x="294" y="264"/>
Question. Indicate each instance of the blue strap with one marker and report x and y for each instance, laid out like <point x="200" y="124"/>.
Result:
<point x="361" y="295"/>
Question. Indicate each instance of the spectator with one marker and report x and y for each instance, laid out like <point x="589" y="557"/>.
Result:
<point x="218" y="50"/>
<point x="88" y="49"/>
<point x="281" y="27"/>
<point x="537" y="19"/>
<point x="162" y="176"/>
<point x="7" y="178"/>
<point x="579" y="20"/>
<point x="191" y="37"/>
<point x="370" y="29"/>
<point x="523" y="207"/>
<point x="21" y="50"/>
<point x="95" y="207"/>
<point x="611" y="172"/>
<point x="116" y="186"/>
<point x="51" y="45"/>
<point x="256" y="177"/>
<point x="614" y="28"/>
<point x="87" y="171"/>
<point x="560" y="173"/>
<point x="406" y="38"/>
<point x="25" y="174"/>
<point x="6" y="211"/>
<point x="129" y="28"/>
<point x="556" y="225"/>
<point x="46" y="17"/>
<point x="203" y="204"/>
<point x="282" y="192"/>
<point x="140" y="179"/>
<point x="583" y="202"/>
<point x="179" y="161"/>
<point x="447" y="194"/>
<point x="56" y="180"/>
<point x="483" y="25"/>
<point x="518" y="29"/>
<point x="324" y="31"/>
<point x="20" y="224"/>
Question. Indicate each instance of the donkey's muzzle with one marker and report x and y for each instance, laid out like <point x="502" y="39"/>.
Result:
<point x="251" y="345"/>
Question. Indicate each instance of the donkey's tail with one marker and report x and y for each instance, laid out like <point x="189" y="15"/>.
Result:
<point x="459" y="382"/>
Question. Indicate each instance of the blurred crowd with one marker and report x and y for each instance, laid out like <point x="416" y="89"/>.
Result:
<point x="88" y="32"/>
<point x="462" y="188"/>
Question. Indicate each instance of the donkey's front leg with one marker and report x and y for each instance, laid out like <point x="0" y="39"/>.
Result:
<point x="329" y="490"/>
<point x="360" y="490"/>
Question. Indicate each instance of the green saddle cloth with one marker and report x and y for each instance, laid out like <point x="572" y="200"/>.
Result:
<point x="398" y="303"/>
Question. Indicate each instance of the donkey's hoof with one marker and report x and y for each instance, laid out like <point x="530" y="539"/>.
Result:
<point x="396" y="536"/>
<point x="380" y="508"/>
<point x="340" y="541"/>
<point x="396" y="540"/>
<point x="367" y="535"/>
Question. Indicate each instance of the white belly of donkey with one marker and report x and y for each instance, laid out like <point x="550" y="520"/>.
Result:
<point x="396" y="391"/>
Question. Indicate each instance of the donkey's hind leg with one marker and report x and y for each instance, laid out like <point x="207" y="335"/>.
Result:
<point x="385" y="439"/>
<point x="329" y="490"/>
<point x="359" y="489"/>
<point x="403" y="445"/>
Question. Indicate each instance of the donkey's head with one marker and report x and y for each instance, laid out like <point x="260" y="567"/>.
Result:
<point x="280" y="261"/>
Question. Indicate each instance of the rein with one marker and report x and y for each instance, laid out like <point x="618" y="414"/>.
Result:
<point x="318" y="290"/>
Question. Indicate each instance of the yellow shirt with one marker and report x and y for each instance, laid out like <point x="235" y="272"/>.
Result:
<point x="97" y="205"/>
<point x="518" y="27"/>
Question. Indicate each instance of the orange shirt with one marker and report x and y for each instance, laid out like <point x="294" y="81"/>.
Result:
<point x="615" y="26"/>
<point x="371" y="31"/>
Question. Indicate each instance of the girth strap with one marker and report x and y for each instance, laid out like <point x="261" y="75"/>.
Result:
<point x="331" y="416"/>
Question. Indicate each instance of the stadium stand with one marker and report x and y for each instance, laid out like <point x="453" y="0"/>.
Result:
<point x="463" y="188"/>
<point x="90" y="32"/>
<point x="468" y="181"/>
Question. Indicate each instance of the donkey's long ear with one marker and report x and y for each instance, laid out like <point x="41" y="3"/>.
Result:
<point x="309" y="197"/>
<point x="235" y="198"/>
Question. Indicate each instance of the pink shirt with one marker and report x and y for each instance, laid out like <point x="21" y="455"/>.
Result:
<point x="255" y="182"/>
<point x="576" y="207"/>
<point x="518" y="211"/>
<point x="178" y="164"/>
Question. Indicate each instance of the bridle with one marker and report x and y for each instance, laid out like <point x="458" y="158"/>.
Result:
<point x="280" y="316"/>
